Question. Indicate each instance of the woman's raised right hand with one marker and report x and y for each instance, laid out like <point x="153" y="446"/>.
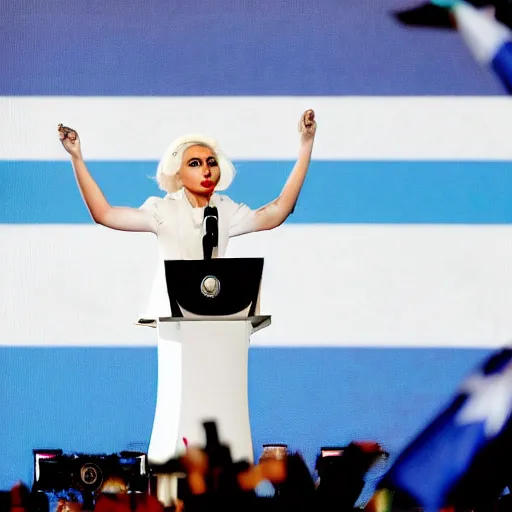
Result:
<point x="70" y="140"/>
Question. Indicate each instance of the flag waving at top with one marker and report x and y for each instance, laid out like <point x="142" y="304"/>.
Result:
<point x="488" y="40"/>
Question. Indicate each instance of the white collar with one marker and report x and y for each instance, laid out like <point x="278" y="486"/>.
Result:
<point x="180" y="194"/>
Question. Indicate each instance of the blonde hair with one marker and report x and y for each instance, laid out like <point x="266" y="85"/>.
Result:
<point x="167" y="174"/>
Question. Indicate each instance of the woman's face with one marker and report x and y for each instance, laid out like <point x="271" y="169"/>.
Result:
<point x="199" y="171"/>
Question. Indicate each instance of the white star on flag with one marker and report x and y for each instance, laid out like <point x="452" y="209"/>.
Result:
<point x="490" y="401"/>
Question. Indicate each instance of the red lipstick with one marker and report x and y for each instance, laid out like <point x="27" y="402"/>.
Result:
<point x="207" y="184"/>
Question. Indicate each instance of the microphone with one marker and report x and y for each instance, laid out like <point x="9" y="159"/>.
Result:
<point x="210" y="231"/>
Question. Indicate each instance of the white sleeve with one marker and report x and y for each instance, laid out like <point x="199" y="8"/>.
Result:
<point x="151" y="206"/>
<point x="242" y="220"/>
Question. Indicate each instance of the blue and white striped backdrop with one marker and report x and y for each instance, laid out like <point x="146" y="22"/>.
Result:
<point x="390" y="281"/>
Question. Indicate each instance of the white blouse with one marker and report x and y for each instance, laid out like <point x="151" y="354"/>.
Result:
<point x="179" y="233"/>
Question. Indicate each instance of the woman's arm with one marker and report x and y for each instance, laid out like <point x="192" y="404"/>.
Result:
<point x="121" y="218"/>
<point x="275" y="213"/>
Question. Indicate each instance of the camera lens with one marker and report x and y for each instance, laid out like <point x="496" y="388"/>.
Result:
<point x="91" y="475"/>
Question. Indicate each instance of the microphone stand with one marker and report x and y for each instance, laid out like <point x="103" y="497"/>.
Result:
<point x="211" y="231"/>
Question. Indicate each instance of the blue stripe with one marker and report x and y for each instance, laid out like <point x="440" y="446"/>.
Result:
<point x="335" y="192"/>
<point x="99" y="400"/>
<point x="228" y="47"/>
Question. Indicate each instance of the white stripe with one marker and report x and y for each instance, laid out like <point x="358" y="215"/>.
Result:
<point x="256" y="128"/>
<point x="332" y="285"/>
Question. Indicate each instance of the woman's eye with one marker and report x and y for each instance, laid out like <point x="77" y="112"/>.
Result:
<point x="194" y="163"/>
<point x="212" y="162"/>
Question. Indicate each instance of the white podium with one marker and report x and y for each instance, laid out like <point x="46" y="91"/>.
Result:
<point x="203" y="376"/>
<point x="203" y="352"/>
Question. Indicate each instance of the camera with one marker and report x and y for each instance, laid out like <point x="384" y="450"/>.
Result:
<point x="341" y="472"/>
<point x="89" y="475"/>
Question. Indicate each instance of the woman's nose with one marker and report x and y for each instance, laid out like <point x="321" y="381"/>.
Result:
<point x="206" y="171"/>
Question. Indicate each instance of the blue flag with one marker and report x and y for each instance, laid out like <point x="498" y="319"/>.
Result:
<point x="489" y="41"/>
<point x="432" y="465"/>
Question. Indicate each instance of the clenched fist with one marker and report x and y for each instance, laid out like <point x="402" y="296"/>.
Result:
<point x="307" y="125"/>
<point x="70" y="140"/>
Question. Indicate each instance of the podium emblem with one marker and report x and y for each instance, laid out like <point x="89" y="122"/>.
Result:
<point x="210" y="287"/>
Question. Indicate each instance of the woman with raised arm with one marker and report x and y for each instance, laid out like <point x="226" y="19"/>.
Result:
<point x="192" y="171"/>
